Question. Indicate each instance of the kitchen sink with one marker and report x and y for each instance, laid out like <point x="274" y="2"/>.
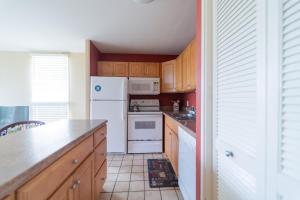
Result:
<point x="183" y="116"/>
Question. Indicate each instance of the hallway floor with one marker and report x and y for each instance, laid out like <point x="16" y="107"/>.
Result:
<point x="127" y="179"/>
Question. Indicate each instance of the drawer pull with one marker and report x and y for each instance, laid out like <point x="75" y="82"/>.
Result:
<point x="229" y="153"/>
<point x="75" y="162"/>
<point x="77" y="182"/>
<point x="102" y="134"/>
<point x="75" y="185"/>
<point x="103" y="179"/>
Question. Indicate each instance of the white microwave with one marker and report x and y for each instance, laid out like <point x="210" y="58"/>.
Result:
<point x="144" y="86"/>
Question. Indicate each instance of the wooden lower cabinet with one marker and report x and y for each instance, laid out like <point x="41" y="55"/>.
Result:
<point x="171" y="143"/>
<point x="175" y="151"/>
<point x="65" y="192"/>
<point x="10" y="197"/>
<point x="73" y="176"/>
<point x="78" y="186"/>
<point x="100" y="180"/>
<point x="84" y="180"/>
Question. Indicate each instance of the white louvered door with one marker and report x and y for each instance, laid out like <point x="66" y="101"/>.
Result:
<point x="238" y="98"/>
<point x="285" y="84"/>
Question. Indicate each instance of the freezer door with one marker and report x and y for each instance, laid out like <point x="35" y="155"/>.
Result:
<point x="109" y="88"/>
<point x="115" y="112"/>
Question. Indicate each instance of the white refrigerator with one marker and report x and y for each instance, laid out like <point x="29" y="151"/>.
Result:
<point x="109" y="100"/>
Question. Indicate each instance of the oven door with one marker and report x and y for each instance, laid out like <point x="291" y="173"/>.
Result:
<point x="144" y="127"/>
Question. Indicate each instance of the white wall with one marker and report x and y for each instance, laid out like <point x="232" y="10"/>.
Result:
<point x="78" y="87"/>
<point x="15" y="86"/>
<point x="14" y="79"/>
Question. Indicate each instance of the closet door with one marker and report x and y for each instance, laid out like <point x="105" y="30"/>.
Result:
<point x="238" y="72"/>
<point x="285" y="182"/>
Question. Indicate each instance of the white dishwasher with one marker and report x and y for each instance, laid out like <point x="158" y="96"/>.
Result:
<point x="187" y="165"/>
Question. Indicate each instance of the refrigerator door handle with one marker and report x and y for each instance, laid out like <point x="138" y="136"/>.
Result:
<point x="123" y="113"/>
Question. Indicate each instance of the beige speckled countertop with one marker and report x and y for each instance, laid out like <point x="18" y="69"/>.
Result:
<point x="188" y="125"/>
<point x="24" y="154"/>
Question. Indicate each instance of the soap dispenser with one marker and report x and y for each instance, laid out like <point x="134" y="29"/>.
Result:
<point x="176" y="106"/>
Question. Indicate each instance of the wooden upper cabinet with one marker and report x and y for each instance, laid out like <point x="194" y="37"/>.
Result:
<point x="105" y="68"/>
<point x="168" y="82"/>
<point x="178" y="74"/>
<point x="193" y="67"/>
<point x="186" y="66"/>
<point x="152" y="69"/>
<point x="109" y="68"/>
<point x="136" y="69"/>
<point x="120" y="69"/>
<point x="144" y="69"/>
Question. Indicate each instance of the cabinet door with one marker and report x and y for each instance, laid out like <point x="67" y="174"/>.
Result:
<point x="178" y="74"/>
<point x="168" y="76"/>
<point x="174" y="151"/>
<point x="193" y="65"/>
<point x="100" y="179"/>
<point x="9" y="197"/>
<point x="151" y="69"/>
<point x="83" y="180"/>
<point x="136" y="69"/>
<point x="65" y="192"/>
<point x="168" y="141"/>
<point x="120" y="69"/>
<point x="186" y="63"/>
<point x="105" y="68"/>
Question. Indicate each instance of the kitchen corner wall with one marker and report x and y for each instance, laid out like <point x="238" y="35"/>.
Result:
<point x="15" y="79"/>
<point x="191" y="97"/>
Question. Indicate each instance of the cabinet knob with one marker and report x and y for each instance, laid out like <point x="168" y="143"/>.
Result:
<point x="77" y="182"/>
<point x="229" y="154"/>
<point x="75" y="162"/>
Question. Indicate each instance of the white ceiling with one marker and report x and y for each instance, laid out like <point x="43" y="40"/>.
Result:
<point x="116" y="26"/>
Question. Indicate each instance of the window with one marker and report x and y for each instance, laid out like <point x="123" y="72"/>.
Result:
<point x="50" y="87"/>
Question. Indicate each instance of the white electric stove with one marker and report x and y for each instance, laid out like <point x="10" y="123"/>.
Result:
<point x="145" y="126"/>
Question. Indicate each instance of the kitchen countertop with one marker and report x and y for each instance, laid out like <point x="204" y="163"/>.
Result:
<point x="26" y="153"/>
<point x="188" y="125"/>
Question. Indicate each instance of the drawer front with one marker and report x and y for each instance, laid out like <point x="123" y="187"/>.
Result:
<point x="100" y="179"/>
<point x="44" y="184"/>
<point x="99" y="135"/>
<point x="171" y="124"/>
<point x="100" y="154"/>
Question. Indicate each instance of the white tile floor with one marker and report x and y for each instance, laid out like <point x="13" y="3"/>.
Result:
<point x="127" y="179"/>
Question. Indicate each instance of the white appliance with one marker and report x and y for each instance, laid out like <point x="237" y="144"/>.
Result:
<point x="187" y="165"/>
<point x="141" y="86"/>
<point x="144" y="126"/>
<point x="109" y="101"/>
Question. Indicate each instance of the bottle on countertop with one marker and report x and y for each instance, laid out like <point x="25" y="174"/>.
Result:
<point x="176" y="106"/>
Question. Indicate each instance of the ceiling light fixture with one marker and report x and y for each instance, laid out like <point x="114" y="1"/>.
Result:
<point x="143" y="1"/>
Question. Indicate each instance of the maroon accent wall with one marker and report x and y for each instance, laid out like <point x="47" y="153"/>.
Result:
<point x="191" y="97"/>
<point x="198" y="98"/>
<point x="136" y="57"/>
<point x="164" y="99"/>
<point x="94" y="57"/>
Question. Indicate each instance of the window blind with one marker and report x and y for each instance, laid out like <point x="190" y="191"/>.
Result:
<point x="50" y="87"/>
